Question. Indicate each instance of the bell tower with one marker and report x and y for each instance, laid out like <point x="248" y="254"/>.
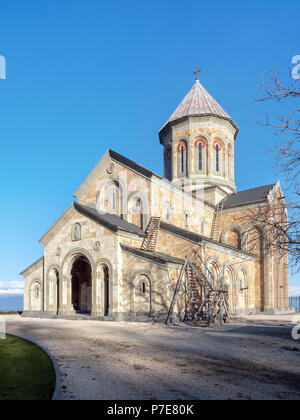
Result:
<point x="198" y="141"/>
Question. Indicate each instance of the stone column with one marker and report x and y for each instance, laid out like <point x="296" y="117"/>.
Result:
<point x="97" y="295"/>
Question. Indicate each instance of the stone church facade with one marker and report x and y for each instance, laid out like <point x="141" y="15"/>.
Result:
<point x="100" y="260"/>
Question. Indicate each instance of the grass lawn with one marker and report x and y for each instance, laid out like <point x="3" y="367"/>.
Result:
<point x="26" y="371"/>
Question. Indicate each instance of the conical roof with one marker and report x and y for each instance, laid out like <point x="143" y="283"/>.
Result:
<point x="198" y="102"/>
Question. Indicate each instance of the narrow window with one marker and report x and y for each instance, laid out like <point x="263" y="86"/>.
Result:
<point x="143" y="288"/>
<point x="186" y="220"/>
<point x="182" y="159"/>
<point x="141" y="214"/>
<point x="228" y="165"/>
<point x="200" y="156"/>
<point x="202" y="226"/>
<point x="169" y="163"/>
<point x="168" y="213"/>
<point x="217" y="158"/>
<point x="241" y="285"/>
<point x="114" y="201"/>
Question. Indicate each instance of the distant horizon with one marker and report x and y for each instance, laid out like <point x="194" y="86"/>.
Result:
<point x="15" y="302"/>
<point x="11" y="303"/>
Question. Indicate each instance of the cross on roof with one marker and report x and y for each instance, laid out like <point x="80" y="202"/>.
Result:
<point x="198" y="70"/>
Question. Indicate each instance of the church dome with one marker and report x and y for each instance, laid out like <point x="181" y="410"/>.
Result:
<point x="198" y="103"/>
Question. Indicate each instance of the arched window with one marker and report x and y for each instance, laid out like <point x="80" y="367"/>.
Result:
<point x="76" y="232"/>
<point x="229" y="154"/>
<point x="167" y="207"/>
<point x="217" y="157"/>
<point x="168" y="162"/>
<point x="229" y="174"/>
<point x="137" y="210"/>
<point x="143" y="288"/>
<point x="35" y="296"/>
<point x="200" y="158"/>
<point x="142" y="298"/>
<point x="111" y="198"/>
<point x="200" y="155"/>
<point x="182" y="159"/>
<point x="186" y="220"/>
<point x="114" y="201"/>
<point x="202" y="225"/>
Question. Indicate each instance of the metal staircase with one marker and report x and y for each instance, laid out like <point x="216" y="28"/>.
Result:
<point x="149" y="243"/>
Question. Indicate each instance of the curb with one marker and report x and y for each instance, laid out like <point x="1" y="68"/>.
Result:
<point x="57" y="390"/>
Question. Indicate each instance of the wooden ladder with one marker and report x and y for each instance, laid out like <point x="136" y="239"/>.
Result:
<point x="149" y="243"/>
<point x="217" y="222"/>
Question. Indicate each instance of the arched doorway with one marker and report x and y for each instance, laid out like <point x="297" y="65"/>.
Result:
<point x="81" y="273"/>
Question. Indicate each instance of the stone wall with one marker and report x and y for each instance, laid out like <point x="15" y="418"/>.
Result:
<point x="33" y="287"/>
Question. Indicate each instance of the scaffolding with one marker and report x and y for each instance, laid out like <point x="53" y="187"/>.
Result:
<point x="206" y="297"/>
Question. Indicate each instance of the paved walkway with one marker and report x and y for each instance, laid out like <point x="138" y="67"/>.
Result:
<point x="115" y="360"/>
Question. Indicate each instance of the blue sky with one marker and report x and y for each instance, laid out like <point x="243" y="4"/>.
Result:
<point x="86" y="76"/>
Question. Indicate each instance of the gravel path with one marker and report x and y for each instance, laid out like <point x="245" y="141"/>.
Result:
<point x="253" y="358"/>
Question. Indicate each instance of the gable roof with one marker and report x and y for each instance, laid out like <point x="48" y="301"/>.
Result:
<point x="131" y="164"/>
<point x="157" y="257"/>
<point x="198" y="102"/>
<point x="122" y="160"/>
<point x="103" y="162"/>
<point x="33" y="267"/>
<point x="253" y="195"/>
<point x="110" y="220"/>
<point x="197" y="238"/>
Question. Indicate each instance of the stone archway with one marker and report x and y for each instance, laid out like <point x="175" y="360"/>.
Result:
<point x="35" y="295"/>
<point x="81" y="285"/>
<point x="230" y="282"/>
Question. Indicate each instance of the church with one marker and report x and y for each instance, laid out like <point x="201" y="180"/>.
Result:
<point x="117" y="251"/>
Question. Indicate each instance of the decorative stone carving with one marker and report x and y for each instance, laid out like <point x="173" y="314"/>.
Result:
<point x="97" y="246"/>
<point x="76" y="232"/>
<point x="58" y="252"/>
<point x="111" y="168"/>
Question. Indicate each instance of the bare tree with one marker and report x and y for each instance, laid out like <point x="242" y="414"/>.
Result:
<point x="282" y="232"/>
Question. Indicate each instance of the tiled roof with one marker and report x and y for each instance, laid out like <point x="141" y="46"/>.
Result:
<point x="112" y="221"/>
<point x="153" y="256"/>
<point x="131" y="164"/>
<point x="252" y="195"/>
<point x="198" y="102"/>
